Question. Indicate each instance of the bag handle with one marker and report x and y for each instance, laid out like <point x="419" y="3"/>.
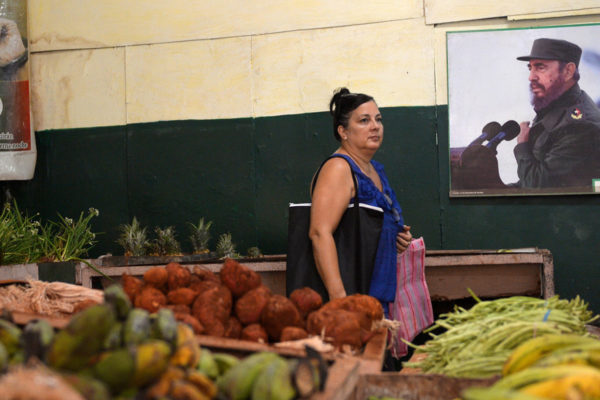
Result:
<point x="314" y="182"/>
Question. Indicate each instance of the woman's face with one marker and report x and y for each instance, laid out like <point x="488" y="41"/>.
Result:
<point x="365" y="128"/>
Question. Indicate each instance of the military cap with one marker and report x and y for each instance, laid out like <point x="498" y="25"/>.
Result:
<point x="553" y="49"/>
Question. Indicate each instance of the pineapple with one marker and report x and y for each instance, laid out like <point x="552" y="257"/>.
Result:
<point x="200" y="236"/>
<point x="254" y="252"/>
<point x="225" y="247"/>
<point x="165" y="243"/>
<point x="133" y="239"/>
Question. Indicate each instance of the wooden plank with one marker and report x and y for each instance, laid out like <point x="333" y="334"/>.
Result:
<point x="371" y="360"/>
<point x="341" y="382"/>
<point x="415" y="387"/>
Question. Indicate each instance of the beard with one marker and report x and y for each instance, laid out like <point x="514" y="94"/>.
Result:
<point x="552" y="92"/>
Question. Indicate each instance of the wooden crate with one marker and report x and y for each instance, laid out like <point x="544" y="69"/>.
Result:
<point x="489" y="273"/>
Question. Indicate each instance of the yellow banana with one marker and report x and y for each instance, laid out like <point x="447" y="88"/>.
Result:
<point x="238" y="381"/>
<point x="491" y="393"/>
<point x="274" y="382"/>
<point x="533" y="349"/>
<point x="574" y="356"/>
<point x="587" y="385"/>
<point x="161" y="388"/>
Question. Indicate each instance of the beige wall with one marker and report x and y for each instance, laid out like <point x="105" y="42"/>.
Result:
<point x="109" y="62"/>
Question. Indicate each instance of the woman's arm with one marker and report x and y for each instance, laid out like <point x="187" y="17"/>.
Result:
<point x="330" y="199"/>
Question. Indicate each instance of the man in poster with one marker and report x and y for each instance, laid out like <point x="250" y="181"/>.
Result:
<point x="561" y="148"/>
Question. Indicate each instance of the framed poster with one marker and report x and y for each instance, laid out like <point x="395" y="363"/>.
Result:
<point x="523" y="111"/>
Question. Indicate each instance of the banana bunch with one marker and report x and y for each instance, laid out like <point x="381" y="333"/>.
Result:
<point x="269" y="376"/>
<point x="10" y="344"/>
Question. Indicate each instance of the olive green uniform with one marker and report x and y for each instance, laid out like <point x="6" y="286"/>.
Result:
<point x="564" y="144"/>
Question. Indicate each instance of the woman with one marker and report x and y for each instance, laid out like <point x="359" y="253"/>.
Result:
<point x="357" y="125"/>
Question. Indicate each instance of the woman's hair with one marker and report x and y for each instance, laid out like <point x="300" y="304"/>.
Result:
<point x="341" y="106"/>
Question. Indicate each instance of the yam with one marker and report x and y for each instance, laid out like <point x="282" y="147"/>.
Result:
<point x="278" y="313"/>
<point x="306" y="300"/>
<point x="192" y="322"/>
<point x="249" y="307"/>
<point x="150" y="299"/>
<point x="238" y="278"/>
<point x="233" y="328"/>
<point x="292" y="333"/>
<point x="131" y="285"/>
<point x="204" y="274"/>
<point x="254" y="333"/>
<point x="157" y="277"/>
<point x="178" y="276"/>
<point x="179" y="308"/>
<point x="182" y="295"/>
<point x="339" y="326"/>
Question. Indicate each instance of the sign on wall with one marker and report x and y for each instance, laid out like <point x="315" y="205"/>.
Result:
<point x="17" y="142"/>
<point x="523" y="111"/>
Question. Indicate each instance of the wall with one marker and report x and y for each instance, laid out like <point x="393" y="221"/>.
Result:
<point x="172" y="111"/>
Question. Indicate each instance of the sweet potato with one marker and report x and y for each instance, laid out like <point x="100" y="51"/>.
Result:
<point x="238" y="278"/>
<point x="179" y="308"/>
<point x="191" y="321"/>
<point x="233" y="328"/>
<point x="204" y="274"/>
<point x="278" y="313"/>
<point x="249" y="307"/>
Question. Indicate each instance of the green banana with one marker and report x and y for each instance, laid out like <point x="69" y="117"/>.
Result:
<point x="207" y="364"/>
<point x="136" y="328"/>
<point x="10" y="336"/>
<point x="75" y="345"/>
<point x="116" y="296"/>
<point x="37" y="338"/>
<point x="532" y="350"/>
<point x="115" y="369"/>
<point x="224" y="362"/>
<point x="274" y="382"/>
<point x="238" y="381"/>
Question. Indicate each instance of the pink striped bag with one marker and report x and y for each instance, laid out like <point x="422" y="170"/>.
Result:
<point x="412" y="305"/>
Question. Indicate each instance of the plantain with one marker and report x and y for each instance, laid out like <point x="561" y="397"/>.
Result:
<point x="491" y="393"/>
<point x="118" y="299"/>
<point x="207" y="363"/>
<point x="10" y="336"/>
<point x="75" y="345"/>
<point x="224" y="362"/>
<point x="37" y="337"/>
<point x="532" y="350"/>
<point x="579" y="356"/>
<point x="136" y="328"/>
<point x="151" y="360"/>
<point x="164" y="326"/>
<point x="187" y="351"/>
<point x="238" y="381"/>
<point x="115" y="369"/>
<point x="202" y="382"/>
<point x="274" y="382"/>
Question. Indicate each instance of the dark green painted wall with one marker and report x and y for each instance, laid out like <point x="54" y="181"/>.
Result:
<point x="242" y="173"/>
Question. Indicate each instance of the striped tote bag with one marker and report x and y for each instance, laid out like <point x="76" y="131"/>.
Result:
<point x="412" y="305"/>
